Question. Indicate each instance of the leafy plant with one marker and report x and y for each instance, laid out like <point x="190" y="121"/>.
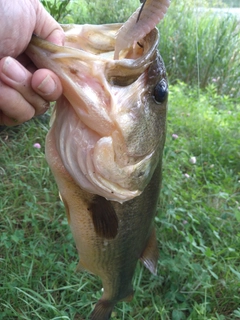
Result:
<point x="201" y="47"/>
<point x="57" y="8"/>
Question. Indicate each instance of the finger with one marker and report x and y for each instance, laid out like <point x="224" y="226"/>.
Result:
<point x="46" y="84"/>
<point x="14" y="109"/>
<point x="13" y="74"/>
<point x="46" y="27"/>
<point x="44" y="81"/>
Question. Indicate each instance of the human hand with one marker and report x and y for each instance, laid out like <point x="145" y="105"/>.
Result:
<point x="25" y="92"/>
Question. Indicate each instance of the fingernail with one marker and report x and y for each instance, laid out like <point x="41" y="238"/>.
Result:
<point x="13" y="70"/>
<point x="47" y="86"/>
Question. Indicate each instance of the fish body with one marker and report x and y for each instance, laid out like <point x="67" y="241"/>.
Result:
<point x="105" y="150"/>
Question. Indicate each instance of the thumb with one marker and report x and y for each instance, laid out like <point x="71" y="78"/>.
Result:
<point x="46" y="27"/>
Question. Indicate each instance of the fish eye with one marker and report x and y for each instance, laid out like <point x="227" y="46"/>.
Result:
<point x="160" y="91"/>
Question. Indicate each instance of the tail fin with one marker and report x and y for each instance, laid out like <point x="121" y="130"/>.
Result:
<point x="102" y="310"/>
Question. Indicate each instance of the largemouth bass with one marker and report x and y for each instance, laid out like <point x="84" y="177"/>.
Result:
<point x="105" y="150"/>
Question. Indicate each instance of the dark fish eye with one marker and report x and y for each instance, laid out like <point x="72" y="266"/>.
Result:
<point x="161" y="91"/>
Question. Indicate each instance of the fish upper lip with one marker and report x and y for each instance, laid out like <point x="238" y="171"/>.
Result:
<point x="84" y="54"/>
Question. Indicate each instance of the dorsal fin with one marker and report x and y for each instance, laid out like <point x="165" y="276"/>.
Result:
<point x="104" y="217"/>
<point x="150" y="254"/>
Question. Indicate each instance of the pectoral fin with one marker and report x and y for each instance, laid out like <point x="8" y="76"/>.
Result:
<point x="104" y="218"/>
<point x="150" y="254"/>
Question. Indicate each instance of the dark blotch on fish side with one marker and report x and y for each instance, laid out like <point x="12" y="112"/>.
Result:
<point x="104" y="218"/>
<point x="161" y="91"/>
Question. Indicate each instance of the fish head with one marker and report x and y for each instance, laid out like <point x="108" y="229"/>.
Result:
<point x="109" y="124"/>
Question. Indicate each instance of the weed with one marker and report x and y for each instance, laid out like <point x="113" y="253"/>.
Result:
<point x="201" y="47"/>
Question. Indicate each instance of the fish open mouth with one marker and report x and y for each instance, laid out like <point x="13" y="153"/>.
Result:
<point x="107" y="129"/>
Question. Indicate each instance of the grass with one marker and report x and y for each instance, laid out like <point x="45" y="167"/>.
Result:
<point x="198" y="224"/>
<point x="201" y="48"/>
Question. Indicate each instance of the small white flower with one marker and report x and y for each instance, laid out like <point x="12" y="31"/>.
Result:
<point x="186" y="175"/>
<point x="193" y="160"/>
<point x="174" y="136"/>
<point x="37" y="145"/>
<point x="215" y="79"/>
